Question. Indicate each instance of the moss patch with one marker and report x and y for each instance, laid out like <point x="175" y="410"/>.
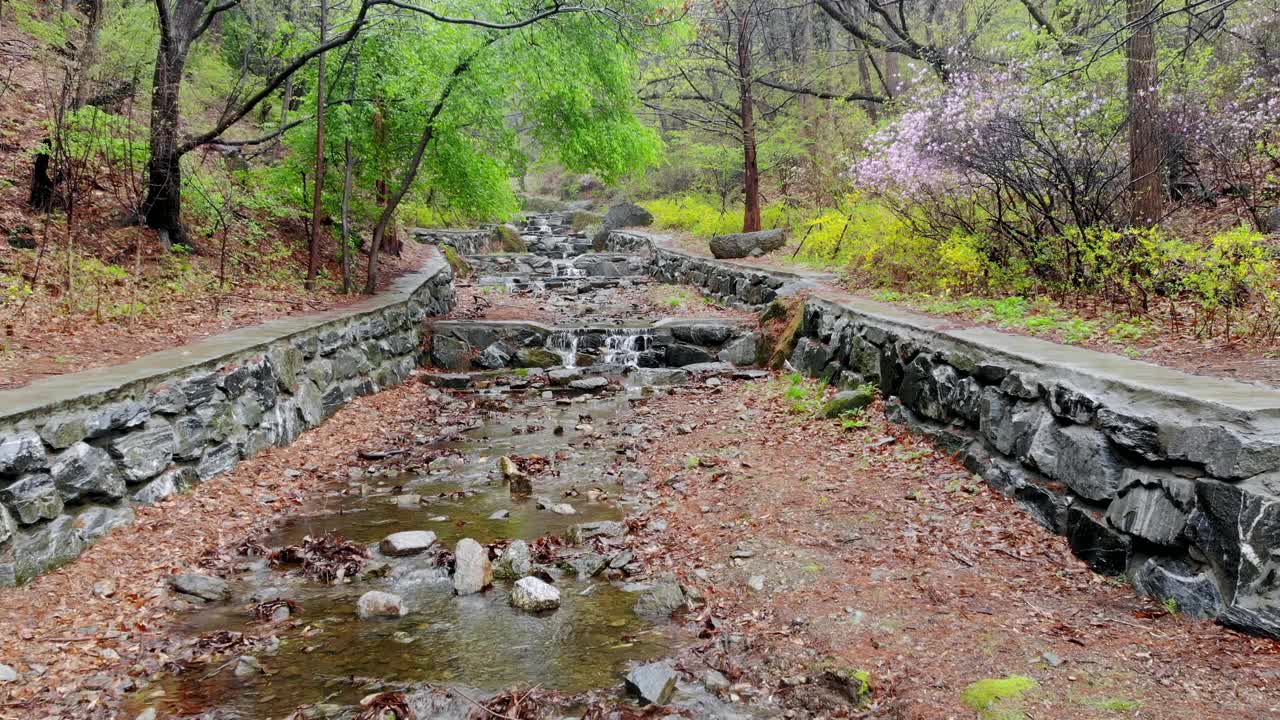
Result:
<point x="461" y="268"/>
<point x="508" y="239"/>
<point x="999" y="698"/>
<point x="781" y="323"/>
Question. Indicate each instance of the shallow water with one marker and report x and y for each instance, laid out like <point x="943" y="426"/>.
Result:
<point x="476" y="641"/>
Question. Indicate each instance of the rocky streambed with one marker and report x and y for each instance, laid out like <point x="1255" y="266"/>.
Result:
<point x="505" y="561"/>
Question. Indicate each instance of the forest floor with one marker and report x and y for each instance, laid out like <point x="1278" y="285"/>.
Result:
<point x="1157" y="338"/>
<point x="874" y="551"/>
<point x="104" y="291"/>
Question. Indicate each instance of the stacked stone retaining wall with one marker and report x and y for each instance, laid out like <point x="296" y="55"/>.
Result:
<point x="1169" y="479"/>
<point x="78" y="452"/>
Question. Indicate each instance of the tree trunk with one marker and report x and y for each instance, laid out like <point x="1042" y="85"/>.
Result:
<point x="1144" y="121"/>
<point x="162" y="207"/>
<point x="317" y="199"/>
<point x="751" y="221"/>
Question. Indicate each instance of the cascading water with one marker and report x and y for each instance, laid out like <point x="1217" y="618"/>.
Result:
<point x="565" y="344"/>
<point x="624" y="346"/>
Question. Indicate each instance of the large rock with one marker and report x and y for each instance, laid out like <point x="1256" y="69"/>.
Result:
<point x="661" y="600"/>
<point x="205" y="587"/>
<point x="627" y="215"/>
<point x="409" y="542"/>
<point x="1237" y="527"/>
<point x="580" y="533"/>
<point x="145" y="452"/>
<point x="97" y="520"/>
<point x="376" y="603"/>
<point x="740" y="245"/>
<point x="681" y="354"/>
<point x="534" y="595"/>
<point x="450" y="353"/>
<point x="472" y="571"/>
<point x="514" y="562"/>
<point x="1079" y="457"/>
<point x="169" y="483"/>
<point x="1010" y="424"/>
<point x="1191" y="591"/>
<point x="536" y="357"/>
<point x="33" y="498"/>
<point x="703" y="333"/>
<point x="494" y="357"/>
<point x="653" y="684"/>
<point x="742" y="352"/>
<point x="43" y="547"/>
<point x="1104" y="550"/>
<point x="21" y="452"/>
<point x="848" y="400"/>
<point x="1148" y="511"/>
<point x="84" y="471"/>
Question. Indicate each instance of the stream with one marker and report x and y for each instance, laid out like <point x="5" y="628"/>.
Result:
<point x="321" y="658"/>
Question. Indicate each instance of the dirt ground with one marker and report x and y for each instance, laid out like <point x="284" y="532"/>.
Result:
<point x="90" y="648"/>
<point x="879" y="553"/>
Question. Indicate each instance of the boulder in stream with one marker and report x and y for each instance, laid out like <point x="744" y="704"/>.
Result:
<point x="376" y="603"/>
<point x="534" y="595"/>
<point x="590" y="384"/>
<point x="472" y="571"/>
<point x="205" y="587"/>
<point x="409" y="542"/>
<point x="514" y="562"/>
<point x="520" y="483"/>
<point x="653" y="683"/>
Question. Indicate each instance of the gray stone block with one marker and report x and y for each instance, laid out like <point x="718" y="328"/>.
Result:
<point x="20" y="452"/>
<point x="1079" y="457"/>
<point x="33" y="498"/>
<point x="145" y="452"/>
<point x="1192" y="591"/>
<point x="84" y="471"/>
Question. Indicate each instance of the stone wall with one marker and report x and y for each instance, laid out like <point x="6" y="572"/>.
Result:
<point x="736" y="284"/>
<point x="462" y="345"/>
<point x="1169" y="479"/>
<point x="466" y="242"/>
<point x="78" y="452"/>
<point x="540" y="266"/>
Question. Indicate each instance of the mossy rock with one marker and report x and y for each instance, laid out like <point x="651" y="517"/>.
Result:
<point x="781" y="345"/>
<point x="461" y="268"/>
<point x="508" y="238"/>
<point x="536" y="357"/>
<point x="599" y="238"/>
<point x="582" y="219"/>
<point x="848" y="400"/>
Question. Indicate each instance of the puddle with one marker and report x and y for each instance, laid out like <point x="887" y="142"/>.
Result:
<point x="475" y="641"/>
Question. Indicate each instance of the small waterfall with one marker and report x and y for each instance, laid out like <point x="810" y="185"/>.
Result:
<point x="625" y="345"/>
<point x="566" y="268"/>
<point x="565" y="344"/>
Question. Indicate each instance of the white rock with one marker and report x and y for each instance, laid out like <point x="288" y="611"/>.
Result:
<point x="7" y="674"/>
<point x="756" y="582"/>
<point x="563" y="509"/>
<point x="376" y="603"/>
<point x="533" y="594"/>
<point x="472" y="571"/>
<point x="409" y="542"/>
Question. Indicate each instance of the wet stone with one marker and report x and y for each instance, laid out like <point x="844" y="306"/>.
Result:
<point x="145" y="452"/>
<point x="580" y="533"/>
<point x="33" y="498"/>
<point x="653" y="684"/>
<point x="661" y="600"/>
<point x="21" y="452"/>
<point x="375" y="604"/>
<point x="589" y="384"/>
<point x="534" y="595"/>
<point x="86" y="471"/>
<point x="472" y="571"/>
<point x="205" y="587"/>
<point x="409" y="542"/>
<point x="514" y="562"/>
